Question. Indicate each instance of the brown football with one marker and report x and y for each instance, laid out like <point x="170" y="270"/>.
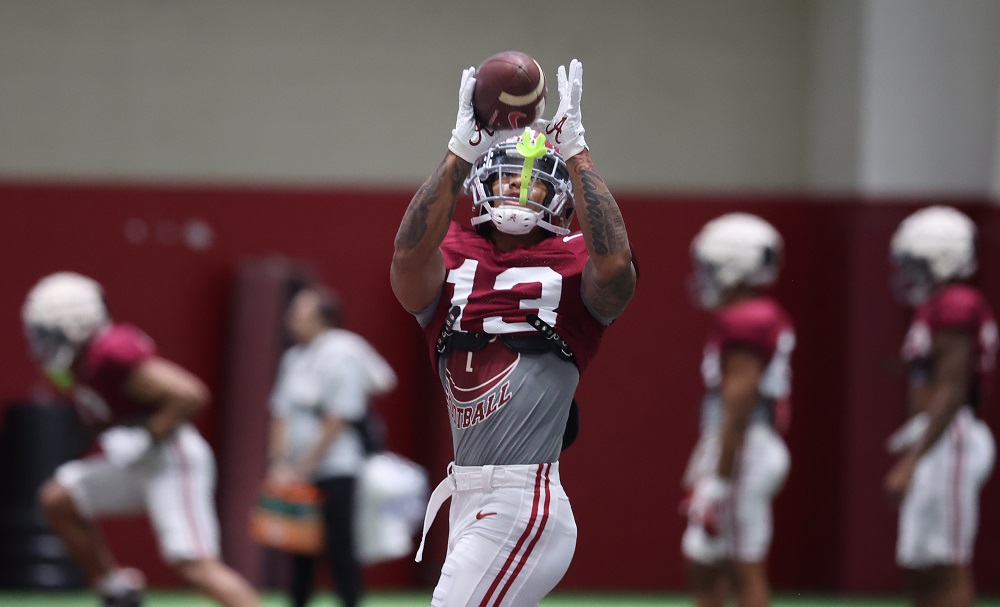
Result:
<point x="510" y="91"/>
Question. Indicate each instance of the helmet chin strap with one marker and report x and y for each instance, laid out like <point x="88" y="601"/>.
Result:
<point x="516" y="220"/>
<point x="509" y="219"/>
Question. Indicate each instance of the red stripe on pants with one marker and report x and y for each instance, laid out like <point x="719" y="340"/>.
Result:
<point x="187" y="497"/>
<point x="520" y="542"/>
<point x="534" y="540"/>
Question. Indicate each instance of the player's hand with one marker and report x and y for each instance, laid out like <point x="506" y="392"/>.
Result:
<point x="897" y="481"/>
<point x="565" y="129"/>
<point x="125" y="445"/>
<point x="469" y="139"/>
<point x="706" y="503"/>
<point x="909" y="435"/>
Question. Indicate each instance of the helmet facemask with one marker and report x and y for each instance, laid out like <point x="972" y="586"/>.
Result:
<point x="704" y="286"/>
<point x="60" y="314"/>
<point x="912" y="282"/>
<point x="54" y="351"/>
<point x="531" y="159"/>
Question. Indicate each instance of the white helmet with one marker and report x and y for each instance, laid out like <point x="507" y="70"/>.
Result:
<point x="534" y="159"/>
<point x="737" y="249"/>
<point x="933" y="245"/>
<point x="60" y="313"/>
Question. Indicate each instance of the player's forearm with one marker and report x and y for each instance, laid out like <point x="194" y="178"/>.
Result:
<point x="942" y="405"/>
<point x="174" y="394"/>
<point x="600" y="218"/>
<point x="610" y="274"/>
<point x="739" y="397"/>
<point x="733" y="430"/>
<point x="417" y="270"/>
<point x="949" y="384"/>
<point x="175" y="412"/>
<point x="426" y="220"/>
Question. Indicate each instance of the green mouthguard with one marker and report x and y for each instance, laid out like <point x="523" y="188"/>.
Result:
<point x="61" y="379"/>
<point x="530" y="151"/>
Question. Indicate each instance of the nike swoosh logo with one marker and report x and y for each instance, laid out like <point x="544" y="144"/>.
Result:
<point x="481" y="515"/>
<point x="571" y="237"/>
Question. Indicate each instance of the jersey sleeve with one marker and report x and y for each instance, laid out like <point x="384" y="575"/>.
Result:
<point x="119" y="351"/>
<point x="752" y="327"/>
<point x="958" y="308"/>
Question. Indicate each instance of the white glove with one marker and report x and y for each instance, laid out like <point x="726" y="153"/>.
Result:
<point x="565" y="129"/>
<point x="908" y="435"/>
<point x="469" y="139"/>
<point x="705" y="508"/>
<point x="125" y="445"/>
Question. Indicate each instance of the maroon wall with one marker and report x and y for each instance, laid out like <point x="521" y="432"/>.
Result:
<point x="835" y="531"/>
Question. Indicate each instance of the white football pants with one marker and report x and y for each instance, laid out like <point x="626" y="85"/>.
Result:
<point x="174" y="484"/>
<point x="940" y="512"/>
<point x="746" y="521"/>
<point x="511" y="537"/>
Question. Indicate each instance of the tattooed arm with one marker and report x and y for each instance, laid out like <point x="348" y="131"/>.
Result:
<point x="609" y="276"/>
<point x="417" y="271"/>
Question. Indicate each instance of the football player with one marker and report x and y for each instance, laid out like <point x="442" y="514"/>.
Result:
<point x="740" y="461"/>
<point x="945" y="452"/>
<point x="152" y="458"/>
<point x="513" y="308"/>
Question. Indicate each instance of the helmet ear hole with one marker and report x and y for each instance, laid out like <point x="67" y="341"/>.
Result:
<point x="769" y="256"/>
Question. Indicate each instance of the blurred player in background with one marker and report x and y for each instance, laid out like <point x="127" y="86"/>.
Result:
<point x="740" y="461"/>
<point x="152" y="458"/>
<point x="945" y="452"/>
<point x="318" y="407"/>
<point x="513" y="310"/>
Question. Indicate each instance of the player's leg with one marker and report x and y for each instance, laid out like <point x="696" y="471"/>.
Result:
<point x="751" y="585"/>
<point x="763" y="468"/>
<point x="940" y="586"/>
<point x="508" y="546"/>
<point x="338" y="518"/>
<point x="82" y="539"/>
<point x="180" y="500"/>
<point x="963" y="465"/>
<point x="708" y="583"/>
<point x="939" y="515"/>
<point x="215" y="579"/>
<point x="706" y="554"/>
<point x="80" y="492"/>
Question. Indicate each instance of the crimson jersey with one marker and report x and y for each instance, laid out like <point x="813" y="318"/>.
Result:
<point x="761" y="325"/>
<point x="954" y="307"/>
<point x="495" y="290"/>
<point x="102" y="370"/>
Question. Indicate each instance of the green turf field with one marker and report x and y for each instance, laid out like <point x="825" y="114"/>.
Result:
<point x="178" y="599"/>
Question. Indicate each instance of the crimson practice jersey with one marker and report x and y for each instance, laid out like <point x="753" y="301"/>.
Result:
<point x="102" y="370"/>
<point x="954" y="307"/>
<point x="759" y="324"/>
<point x="495" y="290"/>
<point x="500" y="412"/>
